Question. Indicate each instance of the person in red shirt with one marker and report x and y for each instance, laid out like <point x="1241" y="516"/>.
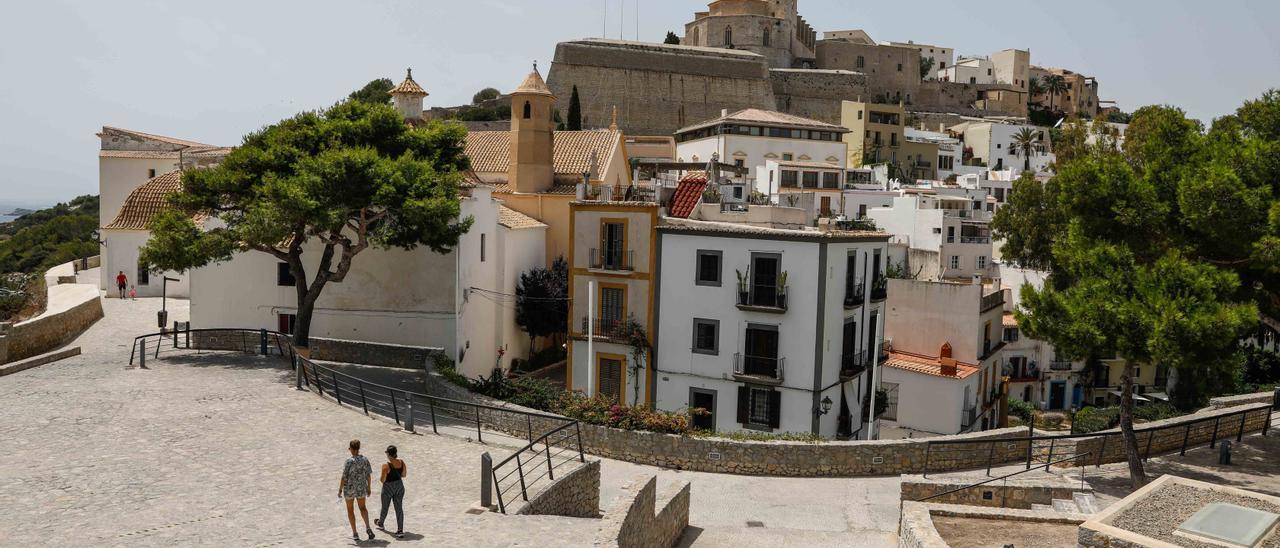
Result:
<point x="121" y="283"/>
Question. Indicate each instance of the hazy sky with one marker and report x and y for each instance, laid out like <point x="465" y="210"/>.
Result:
<point x="211" y="71"/>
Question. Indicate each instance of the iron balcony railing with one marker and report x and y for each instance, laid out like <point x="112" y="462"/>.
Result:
<point x="622" y="260"/>
<point x="853" y="364"/>
<point x="968" y="416"/>
<point x="604" y="328"/>
<point x="855" y="294"/>
<point x="768" y="367"/>
<point x="763" y="296"/>
<point x="975" y="239"/>
<point x="879" y="288"/>
<point x="1060" y="366"/>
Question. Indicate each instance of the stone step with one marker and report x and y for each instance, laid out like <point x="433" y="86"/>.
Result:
<point x="1042" y="507"/>
<point x="1065" y="506"/>
<point x="1085" y="502"/>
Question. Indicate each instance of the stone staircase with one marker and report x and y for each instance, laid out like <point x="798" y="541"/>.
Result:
<point x="1080" y="503"/>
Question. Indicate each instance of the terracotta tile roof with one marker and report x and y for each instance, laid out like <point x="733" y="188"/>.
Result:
<point x="490" y="151"/>
<point x="1009" y="320"/>
<point x="927" y="365"/>
<point x="146" y="201"/>
<point x="534" y="84"/>
<point x="688" y="194"/>
<point x="141" y="154"/>
<point x="161" y="138"/>
<point x="409" y="86"/>
<point x="767" y="117"/>
<point x="515" y="220"/>
<point x="504" y="188"/>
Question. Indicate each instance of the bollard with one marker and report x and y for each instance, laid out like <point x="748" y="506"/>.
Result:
<point x="486" y="480"/>
<point x="142" y="357"/>
<point x="297" y="372"/>
<point x="1224" y="452"/>
<point x="408" y="416"/>
<point x="262" y="342"/>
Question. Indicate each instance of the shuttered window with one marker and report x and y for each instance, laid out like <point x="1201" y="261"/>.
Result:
<point x="759" y="407"/>
<point x="610" y="376"/>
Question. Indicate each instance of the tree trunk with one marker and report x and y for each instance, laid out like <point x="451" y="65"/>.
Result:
<point x="302" y="323"/>
<point x="1137" y="476"/>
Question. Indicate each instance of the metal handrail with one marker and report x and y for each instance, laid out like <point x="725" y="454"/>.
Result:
<point x="1006" y="476"/>
<point x="544" y="439"/>
<point x="352" y="391"/>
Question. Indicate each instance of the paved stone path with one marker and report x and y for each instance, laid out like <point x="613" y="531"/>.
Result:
<point x="221" y="450"/>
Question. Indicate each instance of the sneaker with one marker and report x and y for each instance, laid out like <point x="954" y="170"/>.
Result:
<point x="370" y="531"/>
<point x="378" y="522"/>
<point x="399" y="534"/>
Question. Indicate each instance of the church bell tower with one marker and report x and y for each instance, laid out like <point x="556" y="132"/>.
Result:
<point x="532" y="135"/>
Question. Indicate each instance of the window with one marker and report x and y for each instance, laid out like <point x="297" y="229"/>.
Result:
<point x="739" y="162"/>
<point x="988" y="72"/>
<point x="700" y="398"/>
<point x="708" y="268"/>
<point x="151" y="174"/>
<point x="728" y="36"/>
<point x="528" y="110"/>
<point x="811" y="179"/>
<point x="766" y="36"/>
<point x="982" y="262"/>
<point x="859" y="114"/>
<point x="759" y="407"/>
<point x="1011" y="334"/>
<point x="893" y="138"/>
<point x="706" y="336"/>
<point x="973" y="80"/>
<point x="737" y="192"/>
<point x="613" y="245"/>
<point x="937" y="230"/>
<point x="861" y="62"/>
<point x="284" y="277"/>
<point x="997" y="145"/>
<point x="955" y="261"/>
<point x="788" y="157"/>
<point x="942" y="64"/>
<point x="482" y="242"/>
<point x="946" y="162"/>
<point x="610" y="378"/>
<point x="611" y="304"/>
<point x="789" y="178"/>
<point x="899" y="67"/>
<point x="765" y="270"/>
<point x="951" y="236"/>
<point x="144" y="275"/>
<point x="830" y="180"/>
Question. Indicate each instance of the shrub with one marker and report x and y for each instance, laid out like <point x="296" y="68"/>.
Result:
<point x="1021" y="409"/>
<point x="806" y="437"/>
<point x="441" y="363"/>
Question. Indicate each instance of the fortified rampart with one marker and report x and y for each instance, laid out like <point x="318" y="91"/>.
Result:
<point x="657" y="88"/>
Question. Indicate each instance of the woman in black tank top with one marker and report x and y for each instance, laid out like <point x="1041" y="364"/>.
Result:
<point x="393" y="473"/>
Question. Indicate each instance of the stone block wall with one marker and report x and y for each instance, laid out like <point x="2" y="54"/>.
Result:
<point x="916" y="529"/>
<point x="1242" y="399"/>
<point x="1011" y="494"/>
<point x="645" y="518"/>
<point x="240" y="340"/>
<point x="368" y="353"/>
<point x="576" y="495"/>
<point x="1170" y="435"/>
<point x="816" y="93"/>
<point x="51" y="330"/>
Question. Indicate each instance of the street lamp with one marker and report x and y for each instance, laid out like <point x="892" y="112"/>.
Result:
<point x="162" y="317"/>
<point x="825" y="405"/>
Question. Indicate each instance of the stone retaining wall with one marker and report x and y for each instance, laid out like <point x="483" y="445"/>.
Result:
<point x="1224" y="402"/>
<point x="367" y="353"/>
<point x="36" y="361"/>
<point x="1170" y="435"/>
<point x="635" y="520"/>
<point x="1011" y="493"/>
<point x="58" y="327"/>
<point x="916" y="529"/>
<point x="576" y="495"/>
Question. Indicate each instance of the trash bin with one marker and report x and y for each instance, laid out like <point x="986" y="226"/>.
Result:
<point x="162" y="318"/>
<point x="1224" y="452"/>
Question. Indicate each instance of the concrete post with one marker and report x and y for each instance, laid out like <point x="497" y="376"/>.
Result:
<point x="262" y="342"/>
<point x="486" y="480"/>
<point x="297" y="372"/>
<point x="408" y="416"/>
<point x="142" y="354"/>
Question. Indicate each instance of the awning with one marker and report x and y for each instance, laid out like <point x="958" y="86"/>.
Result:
<point x="1136" y="397"/>
<point x="1158" y="396"/>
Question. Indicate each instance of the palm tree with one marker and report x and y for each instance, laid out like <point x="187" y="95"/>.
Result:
<point x="1034" y="88"/>
<point x="1054" y="84"/>
<point x="1025" y="140"/>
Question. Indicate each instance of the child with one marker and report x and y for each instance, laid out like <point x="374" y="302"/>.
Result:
<point x="133" y="293"/>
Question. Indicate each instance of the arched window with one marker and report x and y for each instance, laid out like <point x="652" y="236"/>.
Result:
<point x="693" y="37"/>
<point x="766" y="35"/>
<point x="527" y="110"/>
<point x="728" y="36"/>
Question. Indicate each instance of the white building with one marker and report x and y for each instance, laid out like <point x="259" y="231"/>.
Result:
<point x="1037" y="374"/>
<point x="992" y="143"/>
<point x="128" y="159"/>
<point x="970" y="70"/>
<point x="943" y="373"/>
<point x="750" y="137"/>
<point x="943" y="58"/>
<point x="947" y="234"/>
<point x="126" y="234"/>
<point x="735" y="338"/>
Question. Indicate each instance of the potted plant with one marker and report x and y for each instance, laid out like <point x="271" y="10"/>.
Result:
<point x="782" y="289"/>
<point x="742" y="285"/>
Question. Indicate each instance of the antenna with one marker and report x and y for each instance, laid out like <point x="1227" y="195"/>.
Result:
<point x="604" y="19"/>
<point x="622" y="15"/>
<point x="637" y="3"/>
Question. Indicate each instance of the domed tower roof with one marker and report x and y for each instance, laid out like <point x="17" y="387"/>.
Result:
<point x="533" y="84"/>
<point x="409" y="86"/>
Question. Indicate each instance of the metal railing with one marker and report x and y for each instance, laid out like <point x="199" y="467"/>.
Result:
<point x="1106" y="446"/>
<point x="854" y="295"/>
<point x="879" y="288"/>
<point x="1076" y="457"/>
<point x="613" y="259"/>
<point x="405" y="408"/>
<point x="542" y="461"/>
<point x="1060" y="366"/>
<point x="853" y="364"/>
<point x="769" y="367"/>
<point x="761" y="295"/>
<point x="975" y="239"/>
<point x="604" y="328"/>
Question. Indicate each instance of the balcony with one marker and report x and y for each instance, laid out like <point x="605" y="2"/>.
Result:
<point x="1060" y="366"/>
<point x="616" y="260"/>
<point x="973" y="214"/>
<point x="975" y="239"/>
<point x="763" y="298"/>
<point x="879" y="288"/>
<point x="853" y="364"/>
<point x="607" y="329"/>
<point x="992" y="300"/>
<point x="758" y="368"/>
<point x="968" y="416"/>
<point x="855" y="295"/>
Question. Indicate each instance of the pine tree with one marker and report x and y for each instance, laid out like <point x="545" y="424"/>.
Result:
<point x="672" y="38"/>
<point x="575" y="112"/>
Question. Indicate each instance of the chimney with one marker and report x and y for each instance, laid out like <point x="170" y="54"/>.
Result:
<point x="946" y="361"/>
<point x="724" y="112"/>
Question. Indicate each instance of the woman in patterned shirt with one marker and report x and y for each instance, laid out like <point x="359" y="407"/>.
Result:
<point x="355" y="485"/>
